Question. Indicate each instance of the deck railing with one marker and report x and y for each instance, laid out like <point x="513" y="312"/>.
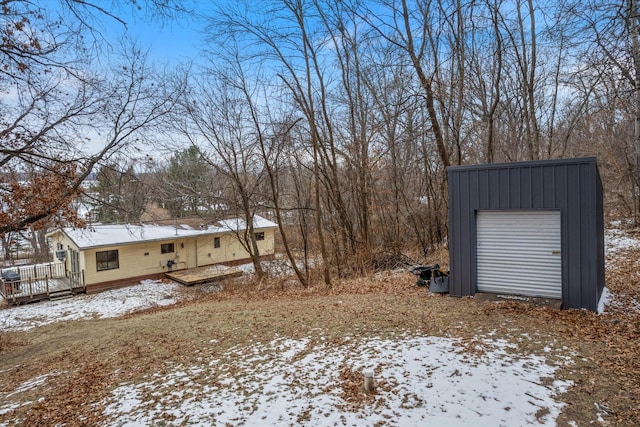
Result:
<point x="38" y="271"/>
<point x="39" y="281"/>
<point x="76" y="280"/>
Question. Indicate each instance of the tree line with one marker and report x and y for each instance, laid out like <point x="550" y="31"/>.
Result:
<point x="338" y="120"/>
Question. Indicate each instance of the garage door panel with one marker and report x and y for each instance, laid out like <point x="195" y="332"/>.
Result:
<point x="523" y="258"/>
<point x="528" y="262"/>
<point x="518" y="252"/>
<point x="530" y="271"/>
<point x="523" y="280"/>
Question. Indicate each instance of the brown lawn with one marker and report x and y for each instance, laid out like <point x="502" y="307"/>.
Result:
<point x="82" y="361"/>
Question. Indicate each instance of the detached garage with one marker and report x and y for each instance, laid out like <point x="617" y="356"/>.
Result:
<point x="528" y="228"/>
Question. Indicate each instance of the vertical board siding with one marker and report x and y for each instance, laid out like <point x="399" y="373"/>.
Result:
<point x="504" y="188"/>
<point x="573" y="208"/>
<point x="572" y="186"/>
<point x="525" y="189"/>
<point x="600" y="233"/>
<point x="514" y="188"/>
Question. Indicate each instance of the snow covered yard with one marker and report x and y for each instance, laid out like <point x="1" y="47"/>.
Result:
<point x="419" y="381"/>
<point x="223" y="366"/>
<point x="117" y="302"/>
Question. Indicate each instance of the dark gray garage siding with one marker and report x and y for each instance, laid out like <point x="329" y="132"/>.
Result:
<point x="572" y="186"/>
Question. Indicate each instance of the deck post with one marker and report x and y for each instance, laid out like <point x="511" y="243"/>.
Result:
<point x="30" y="288"/>
<point x="46" y="283"/>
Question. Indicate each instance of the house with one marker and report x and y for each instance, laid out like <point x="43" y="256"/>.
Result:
<point x="528" y="228"/>
<point x="111" y="255"/>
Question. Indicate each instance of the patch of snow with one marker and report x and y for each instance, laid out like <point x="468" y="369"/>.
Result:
<point x="600" y="412"/>
<point x="25" y="386"/>
<point x="8" y="408"/>
<point x="211" y="288"/>
<point x="279" y="267"/>
<point x="247" y="268"/>
<point x="624" y="302"/>
<point x="514" y="297"/>
<point x="616" y="240"/>
<point x="275" y="268"/>
<point x="113" y="234"/>
<point x="217" y="268"/>
<point x="114" y="303"/>
<point x="33" y="383"/>
<point x="420" y="381"/>
<point x="605" y="298"/>
<point x="237" y="224"/>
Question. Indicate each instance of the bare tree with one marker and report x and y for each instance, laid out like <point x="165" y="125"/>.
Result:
<point x="386" y="95"/>
<point x="606" y="43"/>
<point x="485" y="65"/>
<point x="273" y="139"/>
<point x="216" y="120"/>
<point x="296" y="53"/>
<point x="411" y="30"/>
<point x="54" y="100"/>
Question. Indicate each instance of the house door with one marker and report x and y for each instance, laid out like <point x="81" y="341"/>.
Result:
<point x="518" y="253"/>
<point x="190" y="250"/>
<point x="75" y="276"/>
<point x="74" y="261"/>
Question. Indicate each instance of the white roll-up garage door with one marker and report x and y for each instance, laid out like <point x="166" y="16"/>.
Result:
<point x="518" y="253"/>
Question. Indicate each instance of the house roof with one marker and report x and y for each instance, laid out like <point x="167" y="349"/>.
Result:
<point x="118" y="234"/>
<point x="234" y="224"/>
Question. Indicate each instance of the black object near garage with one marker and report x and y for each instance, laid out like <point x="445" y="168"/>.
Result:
<point x="528" y="228"/>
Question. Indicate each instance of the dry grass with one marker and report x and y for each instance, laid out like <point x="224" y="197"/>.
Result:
<point x="85" y="360"/>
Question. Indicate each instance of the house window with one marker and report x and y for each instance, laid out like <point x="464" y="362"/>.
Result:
<point x="260" y="235"/>
<point x="216" y="242"/>
<point x="167" y="248"/>
<point x="107" y="260"/>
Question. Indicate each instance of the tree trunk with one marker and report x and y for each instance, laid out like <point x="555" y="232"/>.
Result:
<point x="635" y="46"/>
<point x="426" y="84"/>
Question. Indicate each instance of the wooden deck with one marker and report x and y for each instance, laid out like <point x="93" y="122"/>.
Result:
<point x="34" y="290"/>
<point x="41" y="282"/>
<point x="210" y="273"/>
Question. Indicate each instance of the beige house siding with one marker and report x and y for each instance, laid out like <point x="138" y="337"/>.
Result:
<point x="60" y="238"/>
<point x="134" y="260"/>
<point x="145" y="258"/>
<point x="231" y="249"/>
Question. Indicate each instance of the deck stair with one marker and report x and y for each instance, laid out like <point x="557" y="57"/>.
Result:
<point x="60" y="295"/>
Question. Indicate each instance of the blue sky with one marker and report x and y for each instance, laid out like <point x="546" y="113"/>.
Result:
<point x="168" y="41"/>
